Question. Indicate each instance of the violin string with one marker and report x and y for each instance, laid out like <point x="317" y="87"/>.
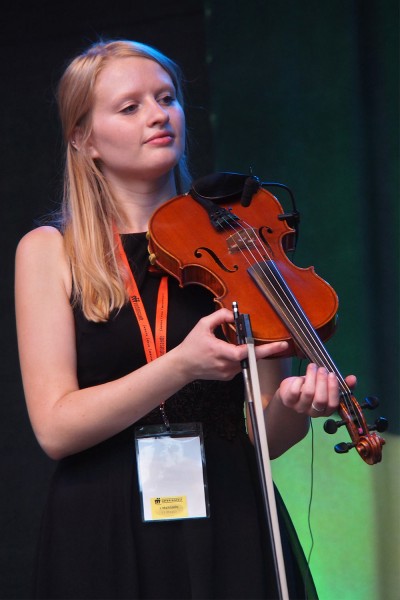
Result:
<point x="308" y="333"/>
<point x="278" y="285"/>
<point x="301" y="323"/>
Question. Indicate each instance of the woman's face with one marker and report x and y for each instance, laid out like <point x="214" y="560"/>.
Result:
<point x="138" y="125"/>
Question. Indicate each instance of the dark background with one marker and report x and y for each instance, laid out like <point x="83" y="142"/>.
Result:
<point x="305" y="93"/>
<point x="36" y="41"/>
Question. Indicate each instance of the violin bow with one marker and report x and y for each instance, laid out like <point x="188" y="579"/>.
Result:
<point x="253" y="395"/>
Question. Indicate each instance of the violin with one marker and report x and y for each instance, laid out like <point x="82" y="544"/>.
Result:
<point x="230" y="235"/>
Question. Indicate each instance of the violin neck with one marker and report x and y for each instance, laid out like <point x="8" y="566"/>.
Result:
<point x="273" y="286"/>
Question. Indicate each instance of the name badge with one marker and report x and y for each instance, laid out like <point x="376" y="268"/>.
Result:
<point x="172" y="472"/>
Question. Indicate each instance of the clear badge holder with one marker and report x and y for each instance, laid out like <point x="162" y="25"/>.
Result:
<point x="172" y="472"/>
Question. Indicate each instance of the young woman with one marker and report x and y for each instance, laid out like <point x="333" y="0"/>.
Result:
<point x="94" y="375"/>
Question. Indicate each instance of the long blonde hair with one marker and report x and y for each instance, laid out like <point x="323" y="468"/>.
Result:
<point x="88" y="208"/>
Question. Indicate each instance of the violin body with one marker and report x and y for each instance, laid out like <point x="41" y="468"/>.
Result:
<point x="183" y="242"/>
<point x="238" y="251"/>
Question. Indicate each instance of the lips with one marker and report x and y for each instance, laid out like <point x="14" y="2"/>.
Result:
<point x="162" y="137"/>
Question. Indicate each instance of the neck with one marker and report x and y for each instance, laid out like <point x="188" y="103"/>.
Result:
<point x="138" y="204"/>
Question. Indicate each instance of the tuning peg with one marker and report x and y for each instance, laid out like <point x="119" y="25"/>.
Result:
<point x="331" y="426"/>
<point x="343" y="447"/>
<point x="370" y="402"/>
<point x="381" y="424"/>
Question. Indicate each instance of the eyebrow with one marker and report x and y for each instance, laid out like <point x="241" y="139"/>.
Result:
<point x="133" y="95"/>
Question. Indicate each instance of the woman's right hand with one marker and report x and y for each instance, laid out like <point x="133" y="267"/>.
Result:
<point x="205" y="356"/>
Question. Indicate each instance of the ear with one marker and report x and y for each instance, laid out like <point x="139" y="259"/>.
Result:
<point x="78" y="141"/>
<point x="76" y="138"/>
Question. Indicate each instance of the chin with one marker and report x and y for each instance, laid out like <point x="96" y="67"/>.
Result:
<point x="163" y="169"/>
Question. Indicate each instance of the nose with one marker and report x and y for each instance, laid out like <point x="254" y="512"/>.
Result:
<point x="157" y="114"/>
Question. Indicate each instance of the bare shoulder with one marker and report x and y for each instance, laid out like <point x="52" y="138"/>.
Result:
<point x="41" y="252"/>
<point x="39" y="239"/>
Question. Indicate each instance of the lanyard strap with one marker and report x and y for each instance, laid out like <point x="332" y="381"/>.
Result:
<point x="152" y="347"/>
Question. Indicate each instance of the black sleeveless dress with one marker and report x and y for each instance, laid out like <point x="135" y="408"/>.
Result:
<point x="93" y="543"/>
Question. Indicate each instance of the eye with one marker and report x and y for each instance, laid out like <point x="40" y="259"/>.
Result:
<point x="167" y="99"/>
<point x="130" y="109"/>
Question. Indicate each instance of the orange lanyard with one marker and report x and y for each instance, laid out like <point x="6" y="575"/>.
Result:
<point x="152" y="347"/>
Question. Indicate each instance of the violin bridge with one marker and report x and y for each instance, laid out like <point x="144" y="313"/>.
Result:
<point x="242" y="240"/>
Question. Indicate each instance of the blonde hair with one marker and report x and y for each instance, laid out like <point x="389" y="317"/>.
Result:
<point x="88" y="208"/>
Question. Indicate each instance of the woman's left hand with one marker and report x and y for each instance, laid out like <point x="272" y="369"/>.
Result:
<point x="316" y="393"/>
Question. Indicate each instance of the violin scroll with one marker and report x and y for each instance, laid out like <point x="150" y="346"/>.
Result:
<point x="364" y="437"/>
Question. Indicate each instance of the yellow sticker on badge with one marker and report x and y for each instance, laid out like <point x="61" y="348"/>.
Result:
<point x="169" y="507"/>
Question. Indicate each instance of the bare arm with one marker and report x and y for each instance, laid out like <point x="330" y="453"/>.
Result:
<point x="284" y="426"/>
<point x="67" y="419"/>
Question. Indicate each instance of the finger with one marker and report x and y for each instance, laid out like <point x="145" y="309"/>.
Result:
<point x="351" y="381"/>
<point x="215" y="319"/>
<point x="271" y="349"/>
<point x="292" y="394"/>
<point x="320" y="397"/>
<point x="333" y="392"/>
<point x="326" y="398"/>
<point x="307" y="392"/>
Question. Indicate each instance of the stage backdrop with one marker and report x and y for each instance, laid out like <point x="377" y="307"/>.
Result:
<point x="306" y="93"/>
<point x="37" y="39"/>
